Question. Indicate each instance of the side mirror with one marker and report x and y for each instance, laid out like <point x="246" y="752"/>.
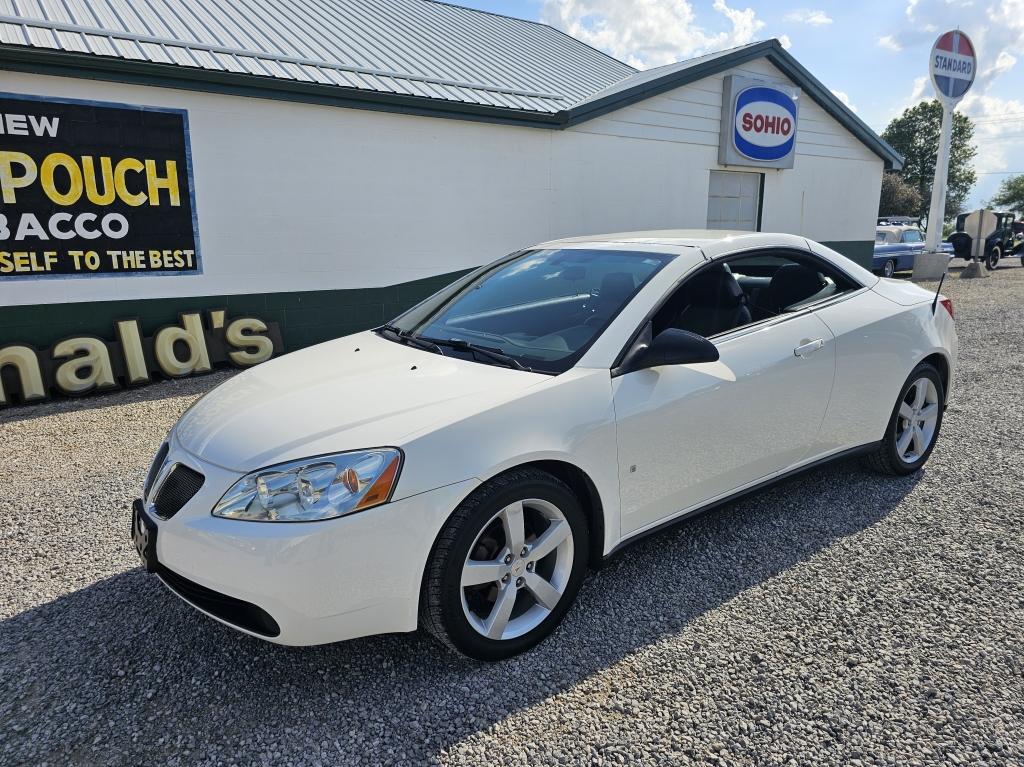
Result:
<point x="674" y="347"/>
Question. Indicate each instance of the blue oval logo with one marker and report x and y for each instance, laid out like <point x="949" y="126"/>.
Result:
<point x="765" y="123"/>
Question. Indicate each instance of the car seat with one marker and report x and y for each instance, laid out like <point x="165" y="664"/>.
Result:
<point x="791" y="284"/>
<point x="715" y="303"/>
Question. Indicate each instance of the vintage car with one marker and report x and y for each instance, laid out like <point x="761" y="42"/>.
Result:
<point x="1006" y="238"/>
<point x="895" y="248"/>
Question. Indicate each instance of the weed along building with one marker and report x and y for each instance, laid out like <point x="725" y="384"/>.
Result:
<point x="187" y="184"/>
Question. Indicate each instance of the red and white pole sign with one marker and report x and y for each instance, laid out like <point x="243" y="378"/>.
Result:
<point x="953" y="65"/>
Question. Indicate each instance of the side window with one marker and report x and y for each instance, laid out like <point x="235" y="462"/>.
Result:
<point x="748" y="289"/>
<point x="912" y="235"/>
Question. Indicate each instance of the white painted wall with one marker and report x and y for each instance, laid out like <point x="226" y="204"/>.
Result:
<point x="302" y="197"/>
<point x="830" y="194"/>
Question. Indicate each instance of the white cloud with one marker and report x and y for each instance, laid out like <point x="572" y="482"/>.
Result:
<point x="1004" y="63"/>
<point x="841" y="95"/>
<point x="815" y="18"/>
<point x="995" y="119"/>
<point x="919" y="92"/>
<point x="890" y="43"/>
<point x="996" y="27"/>
<point x="649" y="33"/>
<point x="785" y="42"/>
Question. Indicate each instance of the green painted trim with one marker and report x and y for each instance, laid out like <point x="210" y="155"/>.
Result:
<point x="827" y="100"/>
<point x="305" y="318"/>
<point x="858" y="251"/>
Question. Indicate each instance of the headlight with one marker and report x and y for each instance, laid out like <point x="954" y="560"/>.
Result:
<point x="310" y="489"/>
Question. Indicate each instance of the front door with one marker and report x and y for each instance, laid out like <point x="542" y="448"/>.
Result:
<point x="688" y="434"/>
<point x="734" y="200"/>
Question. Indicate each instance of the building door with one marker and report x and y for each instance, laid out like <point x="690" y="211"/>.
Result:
<point x="734" y="200"/>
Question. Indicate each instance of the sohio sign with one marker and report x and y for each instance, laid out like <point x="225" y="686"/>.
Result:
<point x="759" y="122"/>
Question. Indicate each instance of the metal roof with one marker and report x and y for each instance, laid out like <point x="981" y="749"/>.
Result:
<point x="415" y="56"/>
<point x="415" y="48"/>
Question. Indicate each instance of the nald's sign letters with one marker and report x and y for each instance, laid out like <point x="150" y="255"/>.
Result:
<point x="86" y="364"/>
<point x="759" y="122"/>
<point x="91" y="189"/>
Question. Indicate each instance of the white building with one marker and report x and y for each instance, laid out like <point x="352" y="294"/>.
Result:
<point x="322" y="165"/>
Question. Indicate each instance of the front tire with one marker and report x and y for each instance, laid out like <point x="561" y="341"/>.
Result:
<point x="914" y="425"/>
<point x="889" y="268"/>
<point x="992" y="259"/>
<point x="506" y="567"/>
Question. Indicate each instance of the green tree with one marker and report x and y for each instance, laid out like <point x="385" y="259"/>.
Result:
<point x="898" y="197"/>
<point x="915" y="135"/>
<point x="1010" y="196"/>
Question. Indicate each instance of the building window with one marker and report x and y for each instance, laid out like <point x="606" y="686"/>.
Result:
<point x="734" y="200"/>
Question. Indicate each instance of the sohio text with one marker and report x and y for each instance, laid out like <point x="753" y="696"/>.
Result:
<point x="759" y="123"/>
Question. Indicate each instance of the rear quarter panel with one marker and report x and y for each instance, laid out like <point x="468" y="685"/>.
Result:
<point x="878" y="342"/>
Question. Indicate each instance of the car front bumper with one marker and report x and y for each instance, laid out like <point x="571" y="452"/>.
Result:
<point x="318" y="582"/>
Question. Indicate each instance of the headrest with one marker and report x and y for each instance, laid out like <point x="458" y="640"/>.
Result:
<point x="715" y="287"/>
<point x="792" y="283"/>
<point x="617" y="286"/>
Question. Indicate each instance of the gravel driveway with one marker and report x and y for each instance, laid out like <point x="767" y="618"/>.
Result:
<point x="842" y="618"/>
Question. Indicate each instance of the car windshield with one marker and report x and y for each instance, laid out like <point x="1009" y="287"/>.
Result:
<point x="540" y="309"/>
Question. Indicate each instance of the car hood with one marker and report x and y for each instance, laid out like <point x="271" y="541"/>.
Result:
<point x="355" y="392"/>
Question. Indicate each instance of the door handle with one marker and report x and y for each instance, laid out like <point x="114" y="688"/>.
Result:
<point x="807" y="348"/>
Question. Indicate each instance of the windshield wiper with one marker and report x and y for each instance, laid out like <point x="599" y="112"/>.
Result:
<point x="483" y="351"/>
<point x="410" y="340"/>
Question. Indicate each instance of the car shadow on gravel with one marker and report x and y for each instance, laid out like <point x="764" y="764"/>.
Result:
<point x="122" y="672"/>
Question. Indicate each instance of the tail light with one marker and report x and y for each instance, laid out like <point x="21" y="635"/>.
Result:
<point x="947" y="304"/>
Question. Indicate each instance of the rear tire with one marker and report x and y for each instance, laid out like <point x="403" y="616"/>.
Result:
<point x="914" y="425"/>
<point x="506" y="566"/>
<point x="992" y="259"/>
<point x="889" y="268"/>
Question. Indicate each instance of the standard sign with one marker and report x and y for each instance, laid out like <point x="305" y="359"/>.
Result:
<point x="94" y="189"/>
<point x="953" y="65"/>
<point x="759" y="122"/>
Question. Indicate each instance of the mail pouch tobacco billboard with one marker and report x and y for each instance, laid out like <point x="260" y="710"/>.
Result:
<point x="93" y="189"/>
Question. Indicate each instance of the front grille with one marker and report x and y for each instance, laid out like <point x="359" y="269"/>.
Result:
<point x="177" y="490"/>
<point x="158" y="462"/>
<point x="230" y="610"/>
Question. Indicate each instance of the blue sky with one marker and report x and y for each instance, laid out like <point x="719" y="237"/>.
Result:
<point x="873" y="53"/>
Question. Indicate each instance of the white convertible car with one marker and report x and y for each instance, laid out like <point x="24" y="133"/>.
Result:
<point x="462" y="467"/>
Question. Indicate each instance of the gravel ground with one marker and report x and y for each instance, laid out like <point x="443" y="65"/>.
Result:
<point x="840" y="619"/>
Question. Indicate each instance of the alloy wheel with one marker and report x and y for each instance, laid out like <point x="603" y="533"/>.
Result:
<point x="517" y="570"/>
<point x="918" y="417"/>
<point x="889" y="269"/>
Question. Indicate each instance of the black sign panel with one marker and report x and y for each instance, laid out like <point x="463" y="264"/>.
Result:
<point x="93" y="189"/>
